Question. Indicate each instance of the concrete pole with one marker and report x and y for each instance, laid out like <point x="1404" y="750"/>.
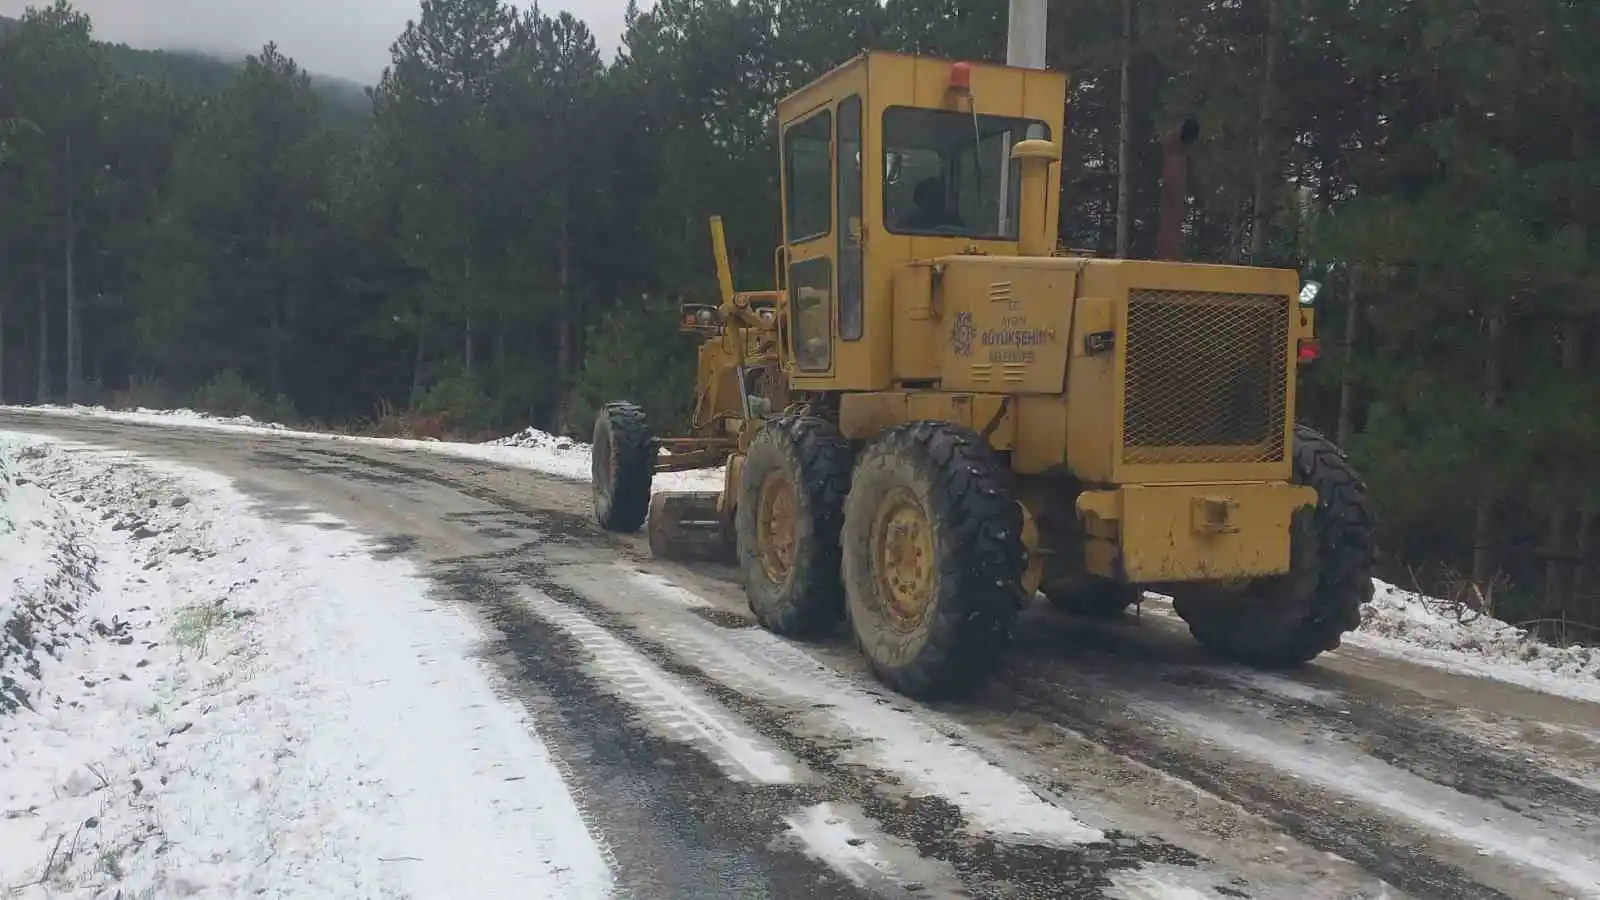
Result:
<point x="1025" y="33"/>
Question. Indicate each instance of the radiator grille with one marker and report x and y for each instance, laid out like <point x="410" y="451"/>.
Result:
<point x="1206" y="377"/>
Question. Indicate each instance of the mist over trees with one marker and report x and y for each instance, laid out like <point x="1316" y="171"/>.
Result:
<point x="501" y="232"/>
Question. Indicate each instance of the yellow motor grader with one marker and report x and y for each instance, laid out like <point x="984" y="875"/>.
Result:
<point x="936" y="413"/>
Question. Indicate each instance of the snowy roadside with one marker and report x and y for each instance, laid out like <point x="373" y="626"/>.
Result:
<point x="528" y="449"/>
<point x="211" y="702"/>
<point x="1398" y="623"/>
<point x="1410" y="626"/>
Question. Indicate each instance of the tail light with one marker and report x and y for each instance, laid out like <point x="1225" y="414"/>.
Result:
<point x="1309" y="350"/>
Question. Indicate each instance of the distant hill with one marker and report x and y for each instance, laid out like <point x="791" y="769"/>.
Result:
<point x="344" y="100"/>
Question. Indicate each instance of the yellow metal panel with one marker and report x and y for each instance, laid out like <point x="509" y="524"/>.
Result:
<point x="729" y="501"/>
<point x="1091" y="387"/>
<point x="915" y="332"/>
<point x="1197" y="532"/>
<point x="1007" y="323"/>
<point x="1211" y="336"/>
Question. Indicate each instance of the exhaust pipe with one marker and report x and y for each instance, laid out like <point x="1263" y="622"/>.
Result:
<point x="1175" y="188"/>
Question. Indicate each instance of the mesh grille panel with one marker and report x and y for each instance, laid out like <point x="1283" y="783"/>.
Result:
<point x="1206" y="377"/>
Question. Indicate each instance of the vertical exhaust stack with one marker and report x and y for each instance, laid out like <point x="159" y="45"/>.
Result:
<point x="1033" y="232"/>
<point x="1174" y="188"/>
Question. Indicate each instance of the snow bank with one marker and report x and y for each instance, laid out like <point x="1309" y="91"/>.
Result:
<point x="527" y="449"/>
<point x="245" y="706"/>
<point x="1409" y="625"/>
<point x="46" y="570"/>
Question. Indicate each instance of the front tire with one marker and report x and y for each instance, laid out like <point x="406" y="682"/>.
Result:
<point x="622" y="464"/>
<point x="1287" y="621"/>
<point x="791" y="503"/>
<point x="933" y="558"/>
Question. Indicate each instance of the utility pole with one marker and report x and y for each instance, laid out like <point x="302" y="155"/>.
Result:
<point x="1025" y="34"/>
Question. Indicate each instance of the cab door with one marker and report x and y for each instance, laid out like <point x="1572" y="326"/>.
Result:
<point x="808" y="229"/>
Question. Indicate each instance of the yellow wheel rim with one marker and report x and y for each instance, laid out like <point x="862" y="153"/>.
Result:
<point x="903" y="557"/>
<point x="775" y="520"/>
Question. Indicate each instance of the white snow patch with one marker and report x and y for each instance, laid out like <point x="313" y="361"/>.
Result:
<point x="841" y="837"/>
<point x="46" y="571"/>
<point x="272" y="711"/>
<point x="832" y="839"/>
<point x="1409" y="626"/>
<point x="1149" y="883"/>
<point x="677" y="708"/>
<point x="665" y="589"/>
<point x="1488" y="827"/>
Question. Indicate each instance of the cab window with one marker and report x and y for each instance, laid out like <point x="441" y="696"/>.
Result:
<point x="945" y="170"/>
<point x="808" y="165"/>
<point x="811" y="309"/>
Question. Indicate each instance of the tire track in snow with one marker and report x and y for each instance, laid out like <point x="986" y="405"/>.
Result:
<point x="881" y="731"/>
<point x="1403" y="736"/>
<point x="1439" y="754"/>
<point x="1345" y="831"/>
<point x="890" y="772"/>
<point x="673" y="706"/>
<point x="1489" y="828"/>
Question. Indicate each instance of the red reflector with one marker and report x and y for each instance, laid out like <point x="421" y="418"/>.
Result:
<point x="961" y="76"/>
<point x="1309" y="350"/>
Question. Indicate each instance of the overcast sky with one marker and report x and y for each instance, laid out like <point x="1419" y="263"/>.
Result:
<point x="332" y="37"/>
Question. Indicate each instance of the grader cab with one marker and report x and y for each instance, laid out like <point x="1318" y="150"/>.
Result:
<point x="937" y="414"/>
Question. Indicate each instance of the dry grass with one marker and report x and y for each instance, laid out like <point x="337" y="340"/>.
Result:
<point x="390" y="421"/>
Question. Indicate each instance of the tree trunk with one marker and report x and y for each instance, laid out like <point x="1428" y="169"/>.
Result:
<point x="1588" y="599"/>
<point x="1124" y="214"/>
<point x="565" y="355"/>
<point x="1347" y="380"/>
<point x="74" y="364"/>
<point x="1266" y="172"/>
<point x="1558" y="566"/>
<point x="275" y="352"/>
<point x="416" y="367"/>
<point x="1483" y="533"/>
<point x="43" y="391"/>
<point x="466" y="335"/>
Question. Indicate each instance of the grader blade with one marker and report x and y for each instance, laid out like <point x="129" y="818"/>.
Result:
<point x="687" y="526"/>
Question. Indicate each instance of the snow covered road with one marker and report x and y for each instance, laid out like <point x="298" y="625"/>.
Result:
<point x="240" y="706"/>
<point x="458" y="661"/>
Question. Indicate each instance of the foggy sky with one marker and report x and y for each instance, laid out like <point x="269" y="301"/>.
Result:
<point x="349" y="38"/>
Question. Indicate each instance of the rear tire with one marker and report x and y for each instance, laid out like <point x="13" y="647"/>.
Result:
<point x="791" y="503"/>
<point x="1286" y="621"/>
<point x="933" y="558"/>
<point x="622" y="465"/>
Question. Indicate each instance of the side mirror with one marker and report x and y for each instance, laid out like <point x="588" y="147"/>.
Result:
<point x="699" y="318"/>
